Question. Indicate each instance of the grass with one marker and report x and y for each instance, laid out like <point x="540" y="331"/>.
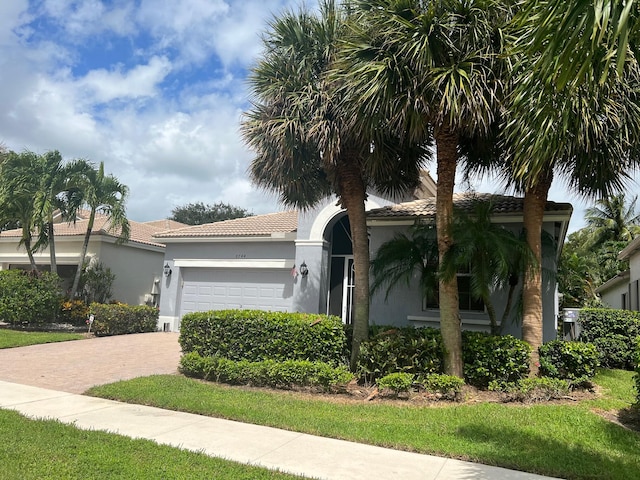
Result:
<point x="14" y="338"/>
<point x="37" y="449"/>
<point x="568" y="441"/>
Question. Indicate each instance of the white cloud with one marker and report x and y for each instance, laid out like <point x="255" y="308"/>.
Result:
<point x="140" y="81"/>
<point x="82" y="18"/>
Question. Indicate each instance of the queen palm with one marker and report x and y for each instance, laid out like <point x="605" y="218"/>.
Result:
<point x="54" y="180"/>
<point x="103" y="194"/>
<point x="429" y="69"/>
<point x="305" y="148"/>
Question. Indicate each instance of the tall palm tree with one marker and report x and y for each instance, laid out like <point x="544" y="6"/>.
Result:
<point x="103" y="194"/>
<point x="587" y="134"/>
<point x="613" y="219"/>
<point x="55" y="180"/>
<point x="430" y="70"/>
<point x="306" y="150"/>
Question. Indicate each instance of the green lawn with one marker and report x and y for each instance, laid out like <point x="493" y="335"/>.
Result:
<point x="49" y="449"/>
<point x="568" y="441"/>
<point x="14" y="338"/>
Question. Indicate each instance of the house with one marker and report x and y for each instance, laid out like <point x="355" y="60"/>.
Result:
<point x="303" y="261"/>
<point x="136" y="264"/>
<point x="623" y="290"/>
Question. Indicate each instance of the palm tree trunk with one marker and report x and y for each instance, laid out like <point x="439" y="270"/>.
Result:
<point x="447" y="157"/>
<point x="352" y="196"/>
<point x="85" y="246"/>
<point x="535" y="199"/>
<point x="52" y="247"/>
<point x="32" y="261"/>
<point x="491" y="311"/>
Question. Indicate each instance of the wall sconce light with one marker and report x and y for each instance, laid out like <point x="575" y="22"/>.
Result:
<point x="304" y="270"/>
<point x="167" y="270"/>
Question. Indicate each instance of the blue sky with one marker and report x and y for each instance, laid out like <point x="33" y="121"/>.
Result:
<point x="154" y="88"/>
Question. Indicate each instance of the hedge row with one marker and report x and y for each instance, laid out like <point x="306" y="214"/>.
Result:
<point x="613" y="332"/>
<point x="29" y="297"/>
<point x="636" y="377"/>
<point x="119" y="319"/>
<point x="269" y="373"/>
<point x="256" y="335"/>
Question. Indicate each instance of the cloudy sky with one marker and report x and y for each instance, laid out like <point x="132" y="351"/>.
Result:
<point x="154" y="88"/>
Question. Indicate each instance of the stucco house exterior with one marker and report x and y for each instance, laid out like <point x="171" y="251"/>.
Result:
<point x="137" y="264"/>
<point x="303" y="261"/>
<point x="623" y="290"/>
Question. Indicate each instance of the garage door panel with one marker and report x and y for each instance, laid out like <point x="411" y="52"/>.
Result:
<point x="218" y="289"/>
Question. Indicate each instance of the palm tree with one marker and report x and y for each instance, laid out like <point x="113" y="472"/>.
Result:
<point x="587" y="134"/>
<point x="613" y="220"/>
<point x="54" y="182"/>
<point x="429" y="69"/>
<point x="305" y="148"/>
<point x="103" y="194"/>
<point x="18" y="188"/>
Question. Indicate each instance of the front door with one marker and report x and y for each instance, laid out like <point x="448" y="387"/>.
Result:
<point x="341" y="290"/>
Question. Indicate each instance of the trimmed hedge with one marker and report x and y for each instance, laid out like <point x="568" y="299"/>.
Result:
<point x="256" y="335"/>
<point x="636" y="377"/>
<point x="407" y="349"/>
<point x="270" y="373"/>
<point x="120" y="319"/>
<point x="419" y="351"/>
<point x="613" y="332"/>
<point x="489" y="358"/>
<point x="29" y="297"/>
<point x="572" y="361"/>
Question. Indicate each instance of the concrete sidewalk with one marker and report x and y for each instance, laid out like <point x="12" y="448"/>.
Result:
<point x="297" y="453"/>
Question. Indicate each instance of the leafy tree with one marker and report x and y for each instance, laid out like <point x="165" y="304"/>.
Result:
<point x="103" y="194"/>
<point x="430" y="70"/>
<point x="199" y="213"/>
<point x="306" y="146"/>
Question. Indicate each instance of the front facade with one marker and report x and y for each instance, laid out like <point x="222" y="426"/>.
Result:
<point x="303" y="261"/>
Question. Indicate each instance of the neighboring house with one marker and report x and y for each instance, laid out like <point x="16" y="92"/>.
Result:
<point x="258" y="263"/>
<point x="623" y="290"/>
<point x="136" y="264"/>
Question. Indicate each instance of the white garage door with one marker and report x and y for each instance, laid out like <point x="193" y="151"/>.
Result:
<point x="218" y="289"/>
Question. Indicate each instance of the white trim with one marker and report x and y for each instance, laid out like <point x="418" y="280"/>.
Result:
<point x="274" y="237"/>
<point x="312" y="243"/>
<point x="236" y="263"/>
<point x="327" y="214"/>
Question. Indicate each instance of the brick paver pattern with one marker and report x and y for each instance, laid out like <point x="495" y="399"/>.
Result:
<point x="78" y="365"/>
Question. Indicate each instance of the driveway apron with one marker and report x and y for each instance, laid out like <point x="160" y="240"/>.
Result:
<point x="78" y="365"/>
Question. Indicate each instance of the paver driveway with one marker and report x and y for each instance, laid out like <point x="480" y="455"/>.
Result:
<point x="80" y="364"/>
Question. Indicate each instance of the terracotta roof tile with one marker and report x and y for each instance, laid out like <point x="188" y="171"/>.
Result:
<point x="502" y="204"/>
<point x="258" y="225"/>
<point x="140" y="232"/>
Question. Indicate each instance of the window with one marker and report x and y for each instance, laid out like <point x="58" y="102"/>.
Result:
<point x="466" y="301"/>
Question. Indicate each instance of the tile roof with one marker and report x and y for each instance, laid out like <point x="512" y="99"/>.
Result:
<point x="502" y="204"/>
<point x="258" y="225"/>
<point x="140" y="232"/>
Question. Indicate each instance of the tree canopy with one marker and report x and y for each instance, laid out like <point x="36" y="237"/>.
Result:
<point x="199" y="213"/>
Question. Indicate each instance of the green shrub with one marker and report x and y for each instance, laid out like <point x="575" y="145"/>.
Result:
<point x="446" y="385"/>
<point x="120" y="319"/>
<point x="29" y="297"/>
<point x="489" y="358"/>
<point x="572" y="361"/>
<point x="396" y="382"/>
<point x="256" y="335"/>
<point x="532" y="389"/>
<point x="613" y="332"/>
<point x="74" y="312"/>
<point x="392" y="350"/>
<point x="287" y="374"/>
